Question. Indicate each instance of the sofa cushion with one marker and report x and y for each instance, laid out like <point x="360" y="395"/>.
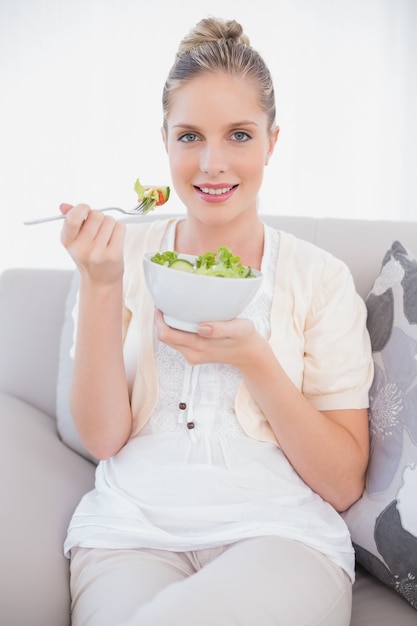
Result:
<point x="383" y="523"/>
<point x="42" y="482"/>
<point x="375" y="604"/>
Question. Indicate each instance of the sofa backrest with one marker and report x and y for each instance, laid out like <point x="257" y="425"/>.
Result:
<point x="32" y="308"/>
<point x="362" y="244"/>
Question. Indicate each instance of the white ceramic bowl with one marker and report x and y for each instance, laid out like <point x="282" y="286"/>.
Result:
<point x="186" y="299"/>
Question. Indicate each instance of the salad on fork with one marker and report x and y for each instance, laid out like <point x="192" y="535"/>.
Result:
<point x="149" y="197"/>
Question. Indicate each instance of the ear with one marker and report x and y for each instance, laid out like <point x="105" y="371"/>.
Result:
<point x="164" y="138"/>
<point x="272" y="143"/>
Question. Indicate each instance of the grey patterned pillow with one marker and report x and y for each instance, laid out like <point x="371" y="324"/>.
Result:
<point x="383" y="523"/>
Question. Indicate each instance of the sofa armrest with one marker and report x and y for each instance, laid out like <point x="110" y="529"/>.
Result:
<point x="32" y="305"/>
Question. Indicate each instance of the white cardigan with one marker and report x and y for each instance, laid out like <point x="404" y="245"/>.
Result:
<point x="316" y="318"/>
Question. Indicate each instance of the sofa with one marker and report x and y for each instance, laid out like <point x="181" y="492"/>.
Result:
<point x="43" y="478"/>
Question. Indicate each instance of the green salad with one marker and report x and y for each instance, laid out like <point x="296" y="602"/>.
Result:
<point x="222" y="263"/>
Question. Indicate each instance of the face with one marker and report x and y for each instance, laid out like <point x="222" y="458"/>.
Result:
<point x="218" y="144"/>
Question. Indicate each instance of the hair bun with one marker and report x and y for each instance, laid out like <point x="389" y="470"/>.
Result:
<point x="211" y="29"/>
<point x="213" y="46"/>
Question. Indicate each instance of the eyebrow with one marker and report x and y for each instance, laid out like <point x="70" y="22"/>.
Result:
<point x="233" y="125"/>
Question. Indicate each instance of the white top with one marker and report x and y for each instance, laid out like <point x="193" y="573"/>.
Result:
<point x="179" y="489"/>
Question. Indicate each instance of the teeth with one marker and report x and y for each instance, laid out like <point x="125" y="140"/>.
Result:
<point x="215" y="192"/>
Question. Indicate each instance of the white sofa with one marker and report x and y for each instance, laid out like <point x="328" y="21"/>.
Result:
<point x="42" y="479"/>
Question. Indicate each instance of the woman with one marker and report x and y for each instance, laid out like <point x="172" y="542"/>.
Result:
<point x="237" y="524"/>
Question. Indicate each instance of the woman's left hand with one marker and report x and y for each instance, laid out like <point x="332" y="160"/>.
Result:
<point x="328" y="449"/>
<point x="229" y="342"/>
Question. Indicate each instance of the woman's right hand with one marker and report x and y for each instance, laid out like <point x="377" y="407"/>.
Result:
<point x="94" y="241"/>
<point x="100" y="403"/>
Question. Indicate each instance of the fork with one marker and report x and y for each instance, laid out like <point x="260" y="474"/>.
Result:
<point x="147" y="204"/>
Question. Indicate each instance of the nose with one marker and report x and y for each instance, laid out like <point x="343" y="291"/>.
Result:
<point x="212" y="159"/>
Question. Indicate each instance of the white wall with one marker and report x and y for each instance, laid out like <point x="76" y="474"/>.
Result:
<point x="80" y="88"/>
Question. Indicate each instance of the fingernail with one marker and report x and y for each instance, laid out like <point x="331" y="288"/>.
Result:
<point x="204" y="329"/>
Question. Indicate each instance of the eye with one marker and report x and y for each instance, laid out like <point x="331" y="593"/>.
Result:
<point x="240" y="135"/>
<point x="188" y="137"/>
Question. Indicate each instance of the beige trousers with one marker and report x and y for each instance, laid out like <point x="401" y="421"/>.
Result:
<point x="266" y="581"/>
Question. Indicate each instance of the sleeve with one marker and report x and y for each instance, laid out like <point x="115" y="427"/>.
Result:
<point x="338" y="365"/>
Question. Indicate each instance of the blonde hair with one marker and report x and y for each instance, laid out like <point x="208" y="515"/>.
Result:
<point x="220" y="45"/>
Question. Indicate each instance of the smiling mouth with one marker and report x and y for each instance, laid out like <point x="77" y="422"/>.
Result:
<point x="215" y="192"/>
